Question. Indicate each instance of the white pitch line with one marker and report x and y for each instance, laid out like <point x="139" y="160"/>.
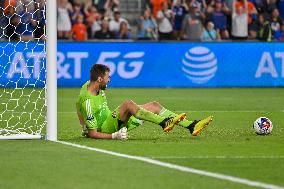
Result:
<point x="178" y="167"/>
<point x="217" y="157"/>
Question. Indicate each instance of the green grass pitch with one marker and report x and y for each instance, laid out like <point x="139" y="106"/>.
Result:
<point x="228" y="146"/>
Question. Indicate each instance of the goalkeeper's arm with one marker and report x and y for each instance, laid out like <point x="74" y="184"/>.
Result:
<point x="93" y="133"/>
<point x="81" y="119"/>
<point x="87" y="118"/>
<point x="121" y="134"/>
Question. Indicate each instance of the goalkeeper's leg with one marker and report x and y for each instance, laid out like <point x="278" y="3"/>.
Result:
<point x="194" y="127"/>
<point x="158" y="109"/>
<point x="129" y="108"/>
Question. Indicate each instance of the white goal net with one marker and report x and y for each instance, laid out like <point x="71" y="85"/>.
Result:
<point x="22" y="69"/>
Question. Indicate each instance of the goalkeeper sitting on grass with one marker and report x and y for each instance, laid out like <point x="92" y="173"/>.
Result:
<point x="98" y="121"/>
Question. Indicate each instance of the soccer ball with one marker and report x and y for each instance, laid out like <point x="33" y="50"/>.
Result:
<point x="262" y="126"/>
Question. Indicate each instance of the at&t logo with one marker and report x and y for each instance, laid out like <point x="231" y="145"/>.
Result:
<point x="199" y="65"/>
<point x="129" y="65"/>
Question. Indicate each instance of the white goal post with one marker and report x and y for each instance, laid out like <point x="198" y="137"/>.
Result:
<point x="51" y="61"/>
<point x="28" y="71"/>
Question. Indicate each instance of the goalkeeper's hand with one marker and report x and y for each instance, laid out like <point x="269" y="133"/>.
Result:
<point x="121" y="134"/>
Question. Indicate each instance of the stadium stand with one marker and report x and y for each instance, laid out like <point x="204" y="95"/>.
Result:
<point x="190" y="20"/>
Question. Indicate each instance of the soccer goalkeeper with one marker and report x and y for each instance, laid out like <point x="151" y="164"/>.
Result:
<point x="98" y="121"/>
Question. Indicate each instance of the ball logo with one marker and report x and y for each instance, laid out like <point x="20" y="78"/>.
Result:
<point x="264" y="124"/>
<point x="199" y="65"/>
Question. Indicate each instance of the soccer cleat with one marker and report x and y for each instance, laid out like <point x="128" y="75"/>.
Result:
<point x="200" y="125"/>
<point x="170" y="123"/>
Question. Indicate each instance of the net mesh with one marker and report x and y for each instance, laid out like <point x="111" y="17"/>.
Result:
<point x="22" y="67"/>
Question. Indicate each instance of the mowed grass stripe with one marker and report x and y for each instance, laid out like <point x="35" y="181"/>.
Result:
<point x="179" y="168"/>
<point x="230" y="134"/>
<point x="41" y="164"/>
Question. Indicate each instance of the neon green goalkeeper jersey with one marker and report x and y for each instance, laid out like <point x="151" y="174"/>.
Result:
<point x="94" y="109"/>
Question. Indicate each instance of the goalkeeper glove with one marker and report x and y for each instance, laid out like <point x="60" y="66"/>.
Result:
<point x="121" y="134"/>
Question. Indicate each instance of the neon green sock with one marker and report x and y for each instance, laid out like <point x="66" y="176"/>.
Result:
<point x="148" y="116"/>
<point x="167" y="113"/>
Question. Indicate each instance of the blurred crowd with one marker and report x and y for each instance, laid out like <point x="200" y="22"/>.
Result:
<point x="22" y="20"/>
<point x="191" y="20"/>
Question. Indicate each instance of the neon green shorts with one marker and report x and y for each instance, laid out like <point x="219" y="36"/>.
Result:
<point x="113" y="124"/>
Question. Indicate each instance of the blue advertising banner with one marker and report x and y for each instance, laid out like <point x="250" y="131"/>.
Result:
<point x="164" y="64"/>
<point x="22" y="64"/>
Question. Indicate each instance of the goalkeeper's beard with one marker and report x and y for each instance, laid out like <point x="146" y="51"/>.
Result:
<point x="103" y="86"/>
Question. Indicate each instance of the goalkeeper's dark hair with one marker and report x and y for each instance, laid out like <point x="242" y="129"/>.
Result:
<point x="98" y="70"/>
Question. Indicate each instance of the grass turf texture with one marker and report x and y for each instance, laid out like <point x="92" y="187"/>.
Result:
<point x="30" y="164"/>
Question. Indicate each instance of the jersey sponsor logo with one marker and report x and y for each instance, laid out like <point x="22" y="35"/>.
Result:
<point x="199" y="65"/>
<point x="127" y="66"/>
